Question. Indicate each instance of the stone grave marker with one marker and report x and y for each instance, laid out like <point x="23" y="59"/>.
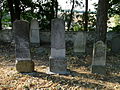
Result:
<point x="22" y="49"/>
<point x="80" y="42"/>
<point x="99" y="58"/>
<point x="116" y="44"/>
<point x="34" y="32"/>
<point x="58" y="63"/>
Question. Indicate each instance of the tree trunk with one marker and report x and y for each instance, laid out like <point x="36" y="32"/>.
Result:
<point x="11" y="9"/>
<point x="71" y="14"/>
<point x="101" y="25"/>
<point x="86" y="16"/>
<point x="17" y="9"/>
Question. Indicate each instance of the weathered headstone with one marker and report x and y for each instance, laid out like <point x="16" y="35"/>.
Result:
<point x="99" y="58"/>
<point x="116" y="44"/>
<point x="23" y="59"/>
<point x="58" y="63"/>
<point x="34" y="32"/>
<point x="80" y="42"/>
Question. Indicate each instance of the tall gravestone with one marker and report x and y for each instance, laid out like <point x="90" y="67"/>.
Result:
<point x="58" y="63"/>
<point x="80" y="42"/>
<point x="34" y="32"/>
<point x="99" y="58"/>
<point x="22" y="49"/>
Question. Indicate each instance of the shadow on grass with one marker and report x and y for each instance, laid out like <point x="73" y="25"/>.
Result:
<point x="66" y="81"/>
<point x="106" y="78"/>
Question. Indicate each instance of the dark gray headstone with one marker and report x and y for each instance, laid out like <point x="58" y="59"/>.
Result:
<point x="23" y="59"/>
<point x="116" y="44"/>
<point x="99" y="58"/>
<point x="34" y="32"/>
<point x="57" y="59"/>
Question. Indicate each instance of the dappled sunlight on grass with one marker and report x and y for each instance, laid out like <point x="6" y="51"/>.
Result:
<point x="80" y="77"/>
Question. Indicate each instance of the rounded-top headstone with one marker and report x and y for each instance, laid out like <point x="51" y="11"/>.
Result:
<point x="34" y="24"/>
<point x="99" y="58"/>
<point x="34" y="32"/>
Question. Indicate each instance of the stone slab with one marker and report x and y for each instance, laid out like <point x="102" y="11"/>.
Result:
<point x="22" y="47"/>
<point x="80" y="42"/>
<point x="58" y="34"/>
<point x="35" y="36"/>
<point x="99" y="69"/>
<point x="99" y="53"/>
<point x="58" y="66"/>
<point x="57" y="52"/>
<point x="34" y="32"/>
<point x="25" y="66"/>
<point x="115" y="43"/>
<point x="21" y="29"/>
<point x="58" y="62"/>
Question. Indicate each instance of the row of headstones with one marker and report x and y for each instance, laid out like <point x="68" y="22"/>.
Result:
<point x="58" y="61"/>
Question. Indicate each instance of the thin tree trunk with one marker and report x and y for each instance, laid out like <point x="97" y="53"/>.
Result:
<point x="71" y="14"/>
<point x="0" y="15"/>
<point x="17" y="9"/>
<point x="56" y="7"/>
<point x="86" y="16"/>
<point x="0" y="20"/>
<point x="101" y="25"/>
<point x="52" y="9"/>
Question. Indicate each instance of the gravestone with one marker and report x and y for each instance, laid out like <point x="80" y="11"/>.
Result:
<point x="80" y="42"/>
<point x="116" y="44"/>
<point x="34" y="32"/>
<point x="99" y="58"/>
<point x="22" y="49"/>
<point x="58" y="63"/>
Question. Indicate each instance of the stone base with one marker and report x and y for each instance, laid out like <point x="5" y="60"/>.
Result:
<point x="80" y="54"/>
<point x="35" y="44"/>
<point x="61" y="73"/>
<point x="25" y="66"/>
<point x="57" y="66"/>
<point x="79" y="51"/>
<point x="98" y="69"/>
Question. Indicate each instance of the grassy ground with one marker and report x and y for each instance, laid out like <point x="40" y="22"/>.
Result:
<point x="80" y="77"/>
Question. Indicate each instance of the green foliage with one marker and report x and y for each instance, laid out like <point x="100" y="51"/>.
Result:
<point x="116" y="23"/>
<point x="114" y="7"/>
<point x="116" y="28"/>
<point x="43" y="11"/>
<point x="77" y="27"/>
<point x="28" y="15"/>
<point x="117" y="19"/>
<point x="5" y="15"/>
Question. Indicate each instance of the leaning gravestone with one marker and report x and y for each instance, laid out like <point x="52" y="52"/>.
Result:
<point x="99" y="58"/>
<point x="58" y="63"/>
<point x="80" y="42"/>
<point x="23" y="59"/>
<point x="34" y="32"/>
<point x="115" y="44"/>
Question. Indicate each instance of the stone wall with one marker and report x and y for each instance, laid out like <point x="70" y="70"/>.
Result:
<point x="7" y="36"/>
